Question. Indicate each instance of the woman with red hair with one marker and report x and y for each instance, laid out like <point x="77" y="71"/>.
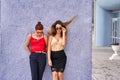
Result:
<point x="36" y="46"/>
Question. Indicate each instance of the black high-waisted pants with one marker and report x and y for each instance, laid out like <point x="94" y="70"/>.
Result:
<point x="37" y="65"/>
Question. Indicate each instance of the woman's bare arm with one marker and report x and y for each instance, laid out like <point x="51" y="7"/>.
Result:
<point x="46" y="41"/>
<point x="64" y="36"/>
<point x="27" y="43"/>
<point x="49" y="51"/>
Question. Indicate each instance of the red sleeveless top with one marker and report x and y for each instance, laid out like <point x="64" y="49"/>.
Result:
<point x="37" y="44"/>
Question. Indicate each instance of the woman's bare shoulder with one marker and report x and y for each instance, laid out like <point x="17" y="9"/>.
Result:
<point x="29" y="35"/>
<point x="50" y="37"/>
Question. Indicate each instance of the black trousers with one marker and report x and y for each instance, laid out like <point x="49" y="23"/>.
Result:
<point x="37" y="65"/>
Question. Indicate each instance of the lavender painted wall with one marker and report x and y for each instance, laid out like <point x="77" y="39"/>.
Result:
<point x="0" y="26"/>
<point x="18" y="18"/>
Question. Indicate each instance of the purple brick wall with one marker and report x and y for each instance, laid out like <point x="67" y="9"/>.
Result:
<point x="18" y="18"/>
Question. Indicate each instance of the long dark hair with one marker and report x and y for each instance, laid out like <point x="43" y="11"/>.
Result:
<point x="53" y="27"/>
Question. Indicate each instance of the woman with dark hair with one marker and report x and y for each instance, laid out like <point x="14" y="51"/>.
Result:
<point x="36" y="46"/>
<point x="56" y="54"/>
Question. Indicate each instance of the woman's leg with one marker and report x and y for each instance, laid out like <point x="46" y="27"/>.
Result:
<point x="41" y="65"/>
<point x="54" y="75"/>
<point x="34" y="66"/>
<point x="60" y="75"/>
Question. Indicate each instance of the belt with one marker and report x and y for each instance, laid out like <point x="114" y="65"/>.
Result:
<point x="40" y="52"/>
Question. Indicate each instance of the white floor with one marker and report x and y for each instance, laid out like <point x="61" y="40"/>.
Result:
<point x="103" y="68"/>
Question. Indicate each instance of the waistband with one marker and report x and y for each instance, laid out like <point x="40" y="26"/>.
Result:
<point x="59" y="51"/>
<point x="39" y="52"/>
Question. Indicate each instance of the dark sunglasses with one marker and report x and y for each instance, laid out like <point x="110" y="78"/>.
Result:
<point x="58" y="28"/>
<point x="39" y="32"/>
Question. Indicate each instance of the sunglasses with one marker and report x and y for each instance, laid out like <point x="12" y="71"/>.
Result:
<point x="58" y="28"/>
<point x="39" y="32"/>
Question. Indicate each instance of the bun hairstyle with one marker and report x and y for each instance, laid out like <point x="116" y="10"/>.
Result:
<point x="39" y="26"/>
